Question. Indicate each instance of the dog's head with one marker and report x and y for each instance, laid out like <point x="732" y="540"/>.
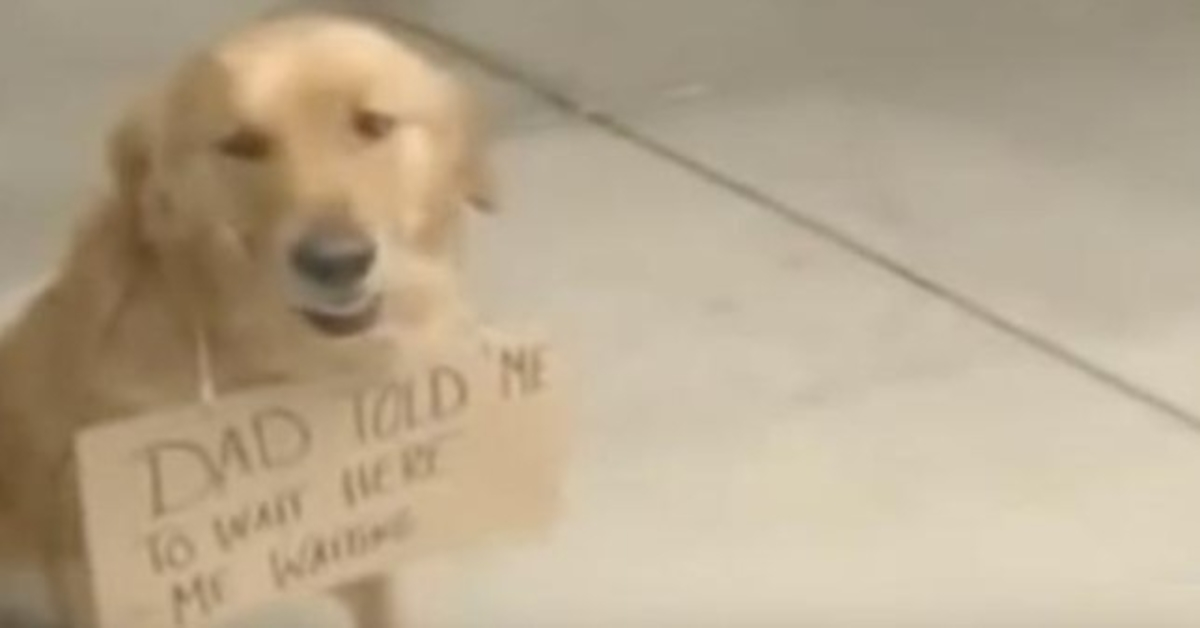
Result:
<point x="320" y="152"/>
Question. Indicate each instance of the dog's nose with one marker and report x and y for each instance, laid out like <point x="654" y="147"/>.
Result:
<point x="334" y="260"/>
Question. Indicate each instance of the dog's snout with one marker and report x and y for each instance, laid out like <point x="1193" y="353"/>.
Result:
<point x="334" y="260"/>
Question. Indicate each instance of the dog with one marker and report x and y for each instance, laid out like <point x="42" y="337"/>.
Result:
<point x="288" y="205"/>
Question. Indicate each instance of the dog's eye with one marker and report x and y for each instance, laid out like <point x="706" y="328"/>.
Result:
<point x="246" y="144"/>
<point x="372" y="125"/>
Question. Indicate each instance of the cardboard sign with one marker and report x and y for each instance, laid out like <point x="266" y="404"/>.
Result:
<point x="194" y="515"/>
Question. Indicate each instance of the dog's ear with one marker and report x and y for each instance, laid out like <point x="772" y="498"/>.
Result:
<point x="129" y="154"/>
<point x="110" y="245"/>
<point x="131" y="163"/>
<point x="477" y="177"/>
<point x="472" y="167"/>
<point x="457" y="171"/>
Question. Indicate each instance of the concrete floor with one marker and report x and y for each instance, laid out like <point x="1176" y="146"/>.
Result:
<point x="887" y="312"/>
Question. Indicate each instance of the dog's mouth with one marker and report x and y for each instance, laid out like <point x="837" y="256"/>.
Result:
<point x="343" y="321"/>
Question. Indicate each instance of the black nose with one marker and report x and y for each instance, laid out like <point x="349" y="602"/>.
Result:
<point x="334" y="261"/>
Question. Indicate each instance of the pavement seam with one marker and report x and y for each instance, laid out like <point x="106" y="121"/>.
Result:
<point x="781" y="210"/>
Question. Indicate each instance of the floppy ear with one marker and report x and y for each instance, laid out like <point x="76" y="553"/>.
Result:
<point x="132" y="166"/>
<point x="472" y="168"/>
<point x="129" y="164"/>
<point x="110" y="245"/>
<point x="456" y="169"/>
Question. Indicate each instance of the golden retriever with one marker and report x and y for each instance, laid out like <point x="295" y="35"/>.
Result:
<point x="288" y="205"/>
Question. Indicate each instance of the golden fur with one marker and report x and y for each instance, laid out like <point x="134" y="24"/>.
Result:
<point x="187" y="249"/>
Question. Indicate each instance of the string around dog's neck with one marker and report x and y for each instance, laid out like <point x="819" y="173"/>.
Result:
<point x="191" y="311"/>
<point x="206" y="387"/>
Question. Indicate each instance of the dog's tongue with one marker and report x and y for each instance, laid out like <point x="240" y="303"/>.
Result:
<point x="344" y="324"/>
